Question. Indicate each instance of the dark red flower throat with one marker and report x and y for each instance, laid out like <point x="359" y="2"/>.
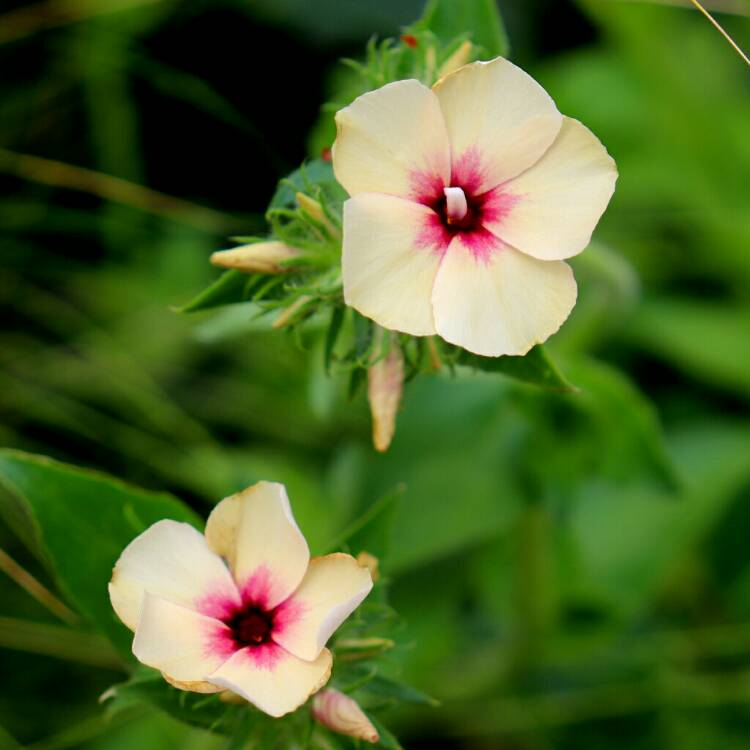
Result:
<point x="251" y="626"/>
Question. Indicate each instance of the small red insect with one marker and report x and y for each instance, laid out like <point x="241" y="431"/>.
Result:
<point x="409" y="40"/>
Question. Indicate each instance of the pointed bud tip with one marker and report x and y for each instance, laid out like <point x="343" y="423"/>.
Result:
<point x="260" y="257"/>
<point x="342" y="714"/>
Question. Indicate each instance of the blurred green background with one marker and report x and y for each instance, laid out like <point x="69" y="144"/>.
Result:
<point x="574" y="569"/>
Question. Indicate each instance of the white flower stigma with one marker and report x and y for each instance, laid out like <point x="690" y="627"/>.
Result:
<point x="455" y="204"/>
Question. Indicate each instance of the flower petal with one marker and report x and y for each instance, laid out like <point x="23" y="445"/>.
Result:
<point x="193" y="686"/>
<point x="392" y="140"/>
<point x="272" y="679"/>
<point x="390" y="257"/>
<point x="172" y="561"/>
<point x="333" y="588"/>
<point x="500" y="121"/>
<point x="558" y="202"/>
<point x="183" y="644"/>
<point x="256" y="533"/>
<point x="500" y="301"/>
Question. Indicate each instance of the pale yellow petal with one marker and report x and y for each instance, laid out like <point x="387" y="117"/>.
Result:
<point x="272" y="679"/>
<point x="500" y="120"/>
<point x="181" y="643"/>
<point x="391" y="140"/>
<point x="172" y="561"/>
<point x="333" y="588"/>
<point x="503" y="302"/>
<point x="389" y="261"/>
<point x="558" y="202"/>
<point x="256" y="533"/>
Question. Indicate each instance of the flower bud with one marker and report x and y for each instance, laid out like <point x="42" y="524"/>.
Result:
<point x="366" y="560"/>
<point x="457" y="60"/>
<point x="342" y="714"/>
<point x="315" y="211"/>
<point x="290" y="313"/>
<point x="385" y="384"/>
<point x="261" y="257"/>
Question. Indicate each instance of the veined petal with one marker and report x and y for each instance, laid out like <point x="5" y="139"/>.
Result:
<point x="500" y="121"/>
<point x="333" y="588"/>
<point x="256" y="533"/>
<point x="558" y="201"/>
<point x="272" y="679"/>
<point x="392" y="140"/>
<point x="183" y="644"/>
<point x="500" y="301"/>
<point x="391" y="254"/>
<point x="171" y="560"/>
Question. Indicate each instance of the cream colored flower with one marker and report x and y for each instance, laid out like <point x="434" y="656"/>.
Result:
<point x="243" y="608"/>
<point x="466" y="198"/>
<point x="342" y="714"/>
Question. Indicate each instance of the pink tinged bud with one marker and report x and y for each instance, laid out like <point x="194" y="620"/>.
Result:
<point x="261" y="257"/>
<point x="384" y="388"/>
<point x="456" y="206"/>
<point x="342" y="714"/>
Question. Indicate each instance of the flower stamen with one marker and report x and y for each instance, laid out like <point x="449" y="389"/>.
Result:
<point x="456" y="205"/>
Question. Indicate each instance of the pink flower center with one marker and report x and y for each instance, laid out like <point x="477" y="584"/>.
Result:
<point x="459" y="210"/>
<point x="463" y="209"/>
<point x="251" y="626"/>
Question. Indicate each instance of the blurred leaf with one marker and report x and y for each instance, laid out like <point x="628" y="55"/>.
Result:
<point x="628" y="542"/>
<point x="384" y="687"/>
<point x="7" y="742"/>
<point x="148" y="687"/>
<point x="372" y="531"/>
<point x="534" y="368"/>
<point x="78" y="522"/>
<point x="229" y="288"/>
<point x="704" y="339"/>
<point x="58" y="641"/>
<point x="387" y="739"/>
<point x="625" y="419"/>
<point x="480" y="18"/>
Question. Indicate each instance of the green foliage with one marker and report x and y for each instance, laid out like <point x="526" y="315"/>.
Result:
<point x="570" y="567"/>
<point x="78" y="522"/>
<point x="481" y="18"/>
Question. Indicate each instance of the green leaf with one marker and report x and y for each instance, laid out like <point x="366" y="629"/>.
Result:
<point x="623" y="417"/>
<point x="481" y="18"/>
<point x="706" y="340"/>
<point x="384" y="687"/>
<point x="229" y="288"/>
<point x="332" y="334"/>
<point x="371" y="532"/>
<point x="387" y="739"/>
<point x="78" y="522"/>
<point x="197" y="709"/>
<point x="313" y="174"/>
<point x="534" y="368"/>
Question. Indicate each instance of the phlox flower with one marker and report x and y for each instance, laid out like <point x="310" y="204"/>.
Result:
<point x="465" y="200"/>
<point x="242" y="608"/>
